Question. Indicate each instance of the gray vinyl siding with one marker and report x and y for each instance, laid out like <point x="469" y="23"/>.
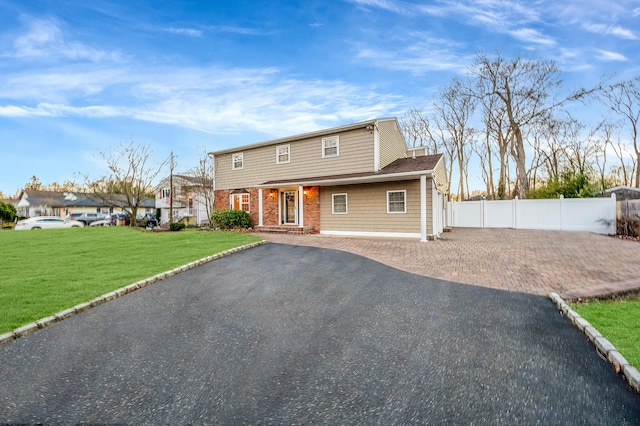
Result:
<point x="367" y="208"/>
<point x="356" y="154"/>
<point x="392" y="145"/>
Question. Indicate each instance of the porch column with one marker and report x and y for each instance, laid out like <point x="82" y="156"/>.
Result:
<point x="434" y="209"/>
<point x="259" y="206"/>
<point x="301" y="205"/>
<point x="423" y="208"/>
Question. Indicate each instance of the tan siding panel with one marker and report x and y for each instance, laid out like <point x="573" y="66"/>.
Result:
<point x="440" y="176"/>
<point x="392" y="144"/>
<point x="259" y="164"/>
<point x="367" y="208"/>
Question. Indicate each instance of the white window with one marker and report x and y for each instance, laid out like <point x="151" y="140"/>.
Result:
<point x="240" y="202"/>
<point x="282" y="154"/>
<point x="237" y="161"/>
<point x="339" y="205"/>
<point x="330" y="147"/>
<point x="396" y="201"/>
<point x="166" y="193"/>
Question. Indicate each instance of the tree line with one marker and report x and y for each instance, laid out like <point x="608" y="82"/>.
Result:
<point x="513" y="116"/>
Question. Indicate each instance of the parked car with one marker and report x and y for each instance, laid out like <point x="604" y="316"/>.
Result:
<point x="109" y="220"/>
<point x="121" y="216"/>
<point x="47" y="222"/>
<point x="73" y="216"/>
<point x="88" y="218"/>
<point x="148" y="220"/>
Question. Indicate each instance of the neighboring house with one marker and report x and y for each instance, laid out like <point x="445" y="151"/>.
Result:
<point x="57" y="203"/>
<point x="359" y="179"/>
<point x="627" y="200"/>
<point x="192" y="199"/>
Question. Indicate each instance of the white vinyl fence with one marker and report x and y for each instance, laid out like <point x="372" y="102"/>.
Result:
<point x="564" y="214"/>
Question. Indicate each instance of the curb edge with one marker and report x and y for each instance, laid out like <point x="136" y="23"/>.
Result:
<point x="602" y="345"/>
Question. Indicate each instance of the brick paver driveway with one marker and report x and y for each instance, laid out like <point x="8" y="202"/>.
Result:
<point x="573" y="264"/>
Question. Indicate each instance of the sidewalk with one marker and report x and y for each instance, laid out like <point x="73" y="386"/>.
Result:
<point x="572" y="264"/>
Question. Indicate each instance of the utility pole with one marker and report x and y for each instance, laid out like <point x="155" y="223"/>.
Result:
<point x="172" y="166"/>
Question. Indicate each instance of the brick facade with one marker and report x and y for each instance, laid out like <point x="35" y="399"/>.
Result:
<point x="312" y="207"/>
<point x="270" y="200"/>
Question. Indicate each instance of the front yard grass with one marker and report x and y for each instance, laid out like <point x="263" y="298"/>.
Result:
<point x="43" y="272"/>
<point x="618" y="321"/>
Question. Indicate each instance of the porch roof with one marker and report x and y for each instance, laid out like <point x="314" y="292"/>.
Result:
<point x="400" y="169"/>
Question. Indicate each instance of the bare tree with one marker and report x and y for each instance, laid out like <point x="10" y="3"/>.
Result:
<point x="624" y="100"/>
<point x="131" y="175"/>
<point x="525" y="90"/>
<point x="203" y="173"/>
<point x="429" y="132"/>
<point x="454" y="109"/>
<point x="623" y="174"/>
<point x="172" y="167"/>
<point x="415" y="127"/>
<point x="498" y="135"/>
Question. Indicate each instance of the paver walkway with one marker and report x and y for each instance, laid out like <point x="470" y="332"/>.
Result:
<point x="573" y="264"/>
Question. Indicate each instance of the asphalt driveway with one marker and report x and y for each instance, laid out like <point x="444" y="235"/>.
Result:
<point x="282" y="334"/>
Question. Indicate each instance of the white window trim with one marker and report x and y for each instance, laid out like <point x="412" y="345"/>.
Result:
<point x="346" y="203"/>
<point x="324" y="148"/>
<point x="240" y="203"/>
<point x="288" y="146"/>
<point x="233" y="161"/>
<point x="404" y="191"/>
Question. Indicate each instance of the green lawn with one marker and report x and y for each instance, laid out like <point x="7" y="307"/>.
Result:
<point x="618" y="321"/>
<point x="45" y="271"/>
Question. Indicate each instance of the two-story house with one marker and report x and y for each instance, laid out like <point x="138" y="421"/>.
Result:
<point x="359" y="179"/>
<point x="191" y="197"/>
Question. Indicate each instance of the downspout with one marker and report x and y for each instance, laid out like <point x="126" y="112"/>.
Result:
<point x="423" y="208"/>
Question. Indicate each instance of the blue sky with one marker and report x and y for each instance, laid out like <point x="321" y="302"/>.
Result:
<point x="79" y="77"/>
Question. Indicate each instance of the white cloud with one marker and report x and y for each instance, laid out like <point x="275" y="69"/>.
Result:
<point x="416" y="52"/>
<point x="532" y="36"/>
<point x="212" y="100"/>
<point x="44" y="39"/>
<point x="606" y="55"/>
<point x="389" y="5"/>
<point x="610" y="30"/>
<point x="185" y="31"/>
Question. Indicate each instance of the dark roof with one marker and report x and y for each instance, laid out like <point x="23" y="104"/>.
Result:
<point x="73" y="199"/>
<point x="624" y="192"/>
<point x="410" y="165"/>
<point x="194" y="180"/>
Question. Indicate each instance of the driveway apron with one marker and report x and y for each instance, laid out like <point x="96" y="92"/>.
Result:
<point x="281" y="334"/>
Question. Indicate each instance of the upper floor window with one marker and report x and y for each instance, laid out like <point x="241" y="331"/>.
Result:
<point x="282" y="154"/>
<point x="330" y="147"/>
<point x="396" y="201"/>
<point x="237" y="161"/>
<point x="166" y="193"/>
<point x="339" y="205"/>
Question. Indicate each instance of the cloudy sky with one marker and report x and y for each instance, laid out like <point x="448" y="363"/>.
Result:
<point x="79" y="77"/>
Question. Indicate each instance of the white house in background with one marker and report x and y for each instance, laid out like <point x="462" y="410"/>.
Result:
<point x="192" y="199"/>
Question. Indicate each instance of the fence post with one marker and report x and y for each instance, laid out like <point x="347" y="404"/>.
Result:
<point x="561" y="215"/>
<point x="483" y="213"/>
<point x="614" y="208"/>
<point x="514" y="203"/>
